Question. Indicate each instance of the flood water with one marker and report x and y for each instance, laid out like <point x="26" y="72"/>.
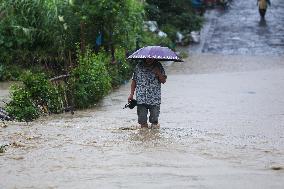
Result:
<point x="4" y="92"/>
<point x="222" y="126"/>
<point x="239" y="29"/>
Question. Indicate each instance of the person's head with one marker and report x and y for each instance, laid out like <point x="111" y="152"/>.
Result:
<point x="149" y="61"/>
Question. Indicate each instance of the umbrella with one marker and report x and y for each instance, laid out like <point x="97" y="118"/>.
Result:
<point x="156" y="52"/>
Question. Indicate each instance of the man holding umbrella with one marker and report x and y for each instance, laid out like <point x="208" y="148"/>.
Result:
<point x="147" y="78"/>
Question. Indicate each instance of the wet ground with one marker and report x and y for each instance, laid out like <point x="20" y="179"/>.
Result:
<point x="222" y="126"/>
<point x="239" y="30"/>
<point x="4" y="92"/>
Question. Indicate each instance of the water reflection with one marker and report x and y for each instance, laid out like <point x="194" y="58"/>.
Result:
<point x="262" y="22"/>
<point x="4" y="92"/>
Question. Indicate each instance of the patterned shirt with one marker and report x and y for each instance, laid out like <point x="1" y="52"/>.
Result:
<point x="263" y="4"/>
<point x="148" y="87"/>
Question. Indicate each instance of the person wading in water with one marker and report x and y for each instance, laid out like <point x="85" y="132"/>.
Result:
<point x="147" y="78"/>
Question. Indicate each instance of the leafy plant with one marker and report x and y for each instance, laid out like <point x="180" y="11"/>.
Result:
<point x="33" y="97"/>
<point x="21" y="106"/>
<point x="90" y="80"/>
<point x="120" y="70"/>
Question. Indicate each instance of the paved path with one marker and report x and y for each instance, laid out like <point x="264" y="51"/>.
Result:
<point x="239" y="30"/>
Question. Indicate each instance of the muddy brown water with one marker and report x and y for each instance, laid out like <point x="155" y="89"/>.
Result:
<point x="222" y="126"/>
<point x="4" y="92"/>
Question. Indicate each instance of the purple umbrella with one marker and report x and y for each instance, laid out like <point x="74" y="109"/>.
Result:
<point x="156" y="52"/>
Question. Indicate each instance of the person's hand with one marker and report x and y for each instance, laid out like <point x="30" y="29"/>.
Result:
<point x="162" y="78"/>
<point x="156" y="71"/>
<point x="130" y="97"/>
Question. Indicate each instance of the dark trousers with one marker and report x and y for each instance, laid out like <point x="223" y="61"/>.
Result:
<point x="262" y="12"/>
<point x="142" y="112"/>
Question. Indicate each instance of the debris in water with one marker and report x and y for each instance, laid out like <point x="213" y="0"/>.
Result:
<point x="128" y="128"/>
<point x="3" y="125"/>
<point x="276" y="168"/>
<point x="2" y="149"/>
<point x="17" y="157"/>
<point x="18" y="144"/>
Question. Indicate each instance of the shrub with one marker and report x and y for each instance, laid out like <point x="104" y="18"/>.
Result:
<point x="10" y="73"/>
<point x="21" y="107"/>
<point x="38" y="87"/>
<point x="33" y="97"/>
<point x="120" y="70"/>
<point x="90" y="80"/>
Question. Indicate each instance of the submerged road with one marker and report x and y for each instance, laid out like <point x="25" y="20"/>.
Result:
<point x="222" y="126"/>
<point x="239" y="30"/>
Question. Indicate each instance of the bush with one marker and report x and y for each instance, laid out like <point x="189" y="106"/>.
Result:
<point x="90" y="80"/>
<point x="120" y="70"/>
<point x="21" y="107"/>
<point x="34" y="97"/>
<point x="38" y="86"/>
<point x="10" y="73"/>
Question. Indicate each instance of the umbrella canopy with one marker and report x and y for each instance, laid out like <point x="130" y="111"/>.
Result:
<point x="156" y="52"/>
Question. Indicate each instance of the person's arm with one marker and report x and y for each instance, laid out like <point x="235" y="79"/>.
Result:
<point x="132" y="90"/>
<point x="161" y="77"/>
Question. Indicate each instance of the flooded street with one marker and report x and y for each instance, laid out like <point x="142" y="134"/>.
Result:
<point x="239" y="30"/>
<point x="222" y="126"/>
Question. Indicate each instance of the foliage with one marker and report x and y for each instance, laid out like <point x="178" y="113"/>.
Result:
<point x="41" y="35"/>
<point x="25" y="30"/>
<point x="44" y="32"/>
<point x="118" y="21"/>
<point x="173" y="16"/>
<point x="21" y="106"/>
<point x="10" y="72"/>
<point x="90" y="80"/>
<point x="35" y="96"/>
<point x="120" y="70"/>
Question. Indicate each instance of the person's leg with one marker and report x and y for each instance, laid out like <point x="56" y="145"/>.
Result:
<point x="142" y="112"/>
<point x="154" y="116"/>
<point x="262" y="12"/>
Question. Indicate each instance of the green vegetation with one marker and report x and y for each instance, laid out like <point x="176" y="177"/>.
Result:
<point x="33" y="97"/>
<point x="90" y="80"/>
<point x="173" y="16"/>
<point x="38" y="42"/>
